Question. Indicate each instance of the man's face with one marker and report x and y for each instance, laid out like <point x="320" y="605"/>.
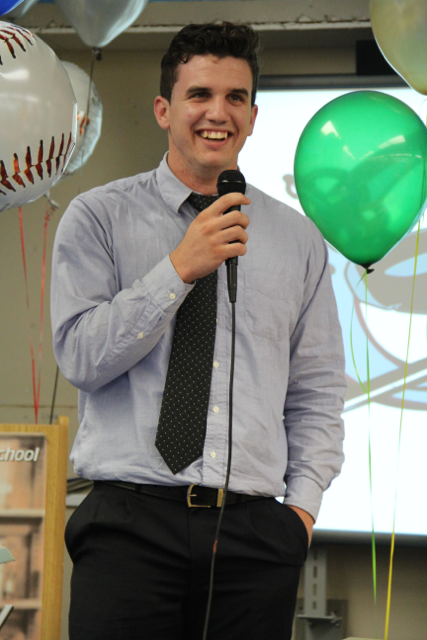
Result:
<point x="209" y="116"/>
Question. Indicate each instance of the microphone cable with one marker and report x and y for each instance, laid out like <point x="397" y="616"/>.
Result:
<point x="227" y="475"/>
<point x="228" y="182"/>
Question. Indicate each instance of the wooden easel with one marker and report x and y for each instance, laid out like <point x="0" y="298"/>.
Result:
<point x="54" y="519"/>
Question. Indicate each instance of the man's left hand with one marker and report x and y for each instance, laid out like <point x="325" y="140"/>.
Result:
<point x="307" y="519"/>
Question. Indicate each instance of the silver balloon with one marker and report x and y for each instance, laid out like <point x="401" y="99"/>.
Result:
<point x="98" y="22"/>
<point x="88" y="129"/>
<point x="21" y="9"/>
<point x="38" y="115"/>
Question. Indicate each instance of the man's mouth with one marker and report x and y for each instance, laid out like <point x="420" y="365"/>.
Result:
<point x="213" y="135"/>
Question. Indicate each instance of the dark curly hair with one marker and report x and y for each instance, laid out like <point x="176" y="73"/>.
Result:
<point x="221" y="40"/>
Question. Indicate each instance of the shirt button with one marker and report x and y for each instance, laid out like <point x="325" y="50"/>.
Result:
<point x="213" y="454"/>
<point x="217" y="320"/>
<point x="172" y="295"/>
<point x="216" y="364"/>
<point x="140" y="335"/>
<point x="216" y="409"/>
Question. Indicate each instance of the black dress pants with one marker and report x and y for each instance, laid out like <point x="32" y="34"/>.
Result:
<point x="141" y="568"/>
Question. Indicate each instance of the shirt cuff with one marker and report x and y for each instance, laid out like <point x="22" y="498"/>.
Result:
<point x="304" y="493"/>
<point x="165" y="286"/>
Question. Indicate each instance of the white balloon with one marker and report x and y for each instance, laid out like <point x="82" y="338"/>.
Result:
<point x="38" y="115"/>
<point x="99" y="21"/>
<point x="21" y="9"/>
<point x="88" y="131"/>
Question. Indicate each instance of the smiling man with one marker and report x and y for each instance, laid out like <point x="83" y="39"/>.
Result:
<point x="209" y="118"/>
<point x="142" y="326"/>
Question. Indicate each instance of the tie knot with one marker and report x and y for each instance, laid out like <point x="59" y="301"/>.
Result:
<point x="200" y="202"/>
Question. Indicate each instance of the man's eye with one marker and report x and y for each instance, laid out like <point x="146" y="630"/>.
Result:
<point x="236" y="97"/>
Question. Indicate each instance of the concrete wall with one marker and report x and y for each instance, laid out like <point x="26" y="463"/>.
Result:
<point x="131" y="142"/>
<point x="257" y="12"/>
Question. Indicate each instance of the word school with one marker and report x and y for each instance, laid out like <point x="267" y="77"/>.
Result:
<point x="30" y="455"/>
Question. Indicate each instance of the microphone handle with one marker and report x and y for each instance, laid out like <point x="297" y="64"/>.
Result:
<point x="232" y="268"/>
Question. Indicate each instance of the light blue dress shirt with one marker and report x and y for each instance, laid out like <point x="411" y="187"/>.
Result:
<point x="114" y="298"/>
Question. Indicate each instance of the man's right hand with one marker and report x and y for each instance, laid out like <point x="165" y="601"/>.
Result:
<point x="206" y="244"/>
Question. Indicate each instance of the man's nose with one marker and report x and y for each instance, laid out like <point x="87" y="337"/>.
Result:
<point x="217" y="110"/>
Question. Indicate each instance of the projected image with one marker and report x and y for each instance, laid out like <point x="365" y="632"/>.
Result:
<point x="382" y="323"/>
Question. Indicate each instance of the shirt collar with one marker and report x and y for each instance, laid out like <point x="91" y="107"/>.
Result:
<point x="174" y="192"/>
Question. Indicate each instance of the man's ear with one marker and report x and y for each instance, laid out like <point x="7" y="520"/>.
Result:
<point x="161" y="111"/>
<point x="254" y="113"/>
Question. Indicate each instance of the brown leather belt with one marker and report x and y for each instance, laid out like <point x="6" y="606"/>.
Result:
<point x="194" y="495"/>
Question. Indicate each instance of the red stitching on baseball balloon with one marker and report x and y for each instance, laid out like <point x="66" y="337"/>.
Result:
<point x="82" y="124"/>
<point x="29" y="164"/>
<point x="17" y="176"/>
<point x="17" y="170"/>
<point x="70" y="140"/>
<point x="39" y="166"/>
<point x="4" y="177"/>
<point x="58" y="157"/>
<point x="49" y="160"/>
<point x="9" y="34"/>
<point x="27" y="35"/>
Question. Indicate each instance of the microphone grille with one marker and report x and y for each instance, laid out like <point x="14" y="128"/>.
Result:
<point x="231" y="181"/>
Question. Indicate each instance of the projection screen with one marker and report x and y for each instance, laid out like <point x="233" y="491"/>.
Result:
<point x="267" y="162"/>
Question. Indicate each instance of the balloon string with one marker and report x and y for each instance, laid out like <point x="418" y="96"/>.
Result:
<point x="367" y="390"/>
<point x="50" y="209"/>
<point x="371" y="491"/>
<point x="27" y="296"/>
<point x="352" y="350"/>
<point x="393" y="535"/>
<point x="51" y="206"/>
<point x="351" y="341"/>
<point x="89" y="95"/>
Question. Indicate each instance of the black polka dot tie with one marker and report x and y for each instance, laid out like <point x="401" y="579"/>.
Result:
<point x="182" y="423"/>
<point x="200" y="202"/>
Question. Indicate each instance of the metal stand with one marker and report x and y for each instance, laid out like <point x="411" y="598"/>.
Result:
<point x="321" y="619"/>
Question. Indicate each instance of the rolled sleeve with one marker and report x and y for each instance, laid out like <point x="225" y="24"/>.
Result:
<point x="100" y="331"/>
<point x="170" y="297"/>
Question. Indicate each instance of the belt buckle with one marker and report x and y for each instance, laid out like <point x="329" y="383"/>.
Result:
<point x="220" y="497"/>
<point x="190" y="495"/>
<point x="194" y="495"/>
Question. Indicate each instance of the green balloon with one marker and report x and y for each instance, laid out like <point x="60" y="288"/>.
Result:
<point x="360" y="173"/>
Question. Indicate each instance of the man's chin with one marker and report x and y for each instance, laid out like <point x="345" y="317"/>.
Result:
<point x="217" y="162"/>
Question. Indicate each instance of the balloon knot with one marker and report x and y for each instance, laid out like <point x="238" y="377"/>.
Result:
<point x="97" y="53"/>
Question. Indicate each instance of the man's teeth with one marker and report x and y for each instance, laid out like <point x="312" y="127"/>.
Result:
<point x="214" y="135"/>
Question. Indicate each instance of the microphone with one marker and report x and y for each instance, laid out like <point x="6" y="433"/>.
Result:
<point x="231" y="181"/>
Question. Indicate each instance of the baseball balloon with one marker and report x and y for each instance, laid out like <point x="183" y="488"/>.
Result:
<point x="88" y="129"/>
<point x="21" y="9"/>
<point x="38" y="115"/>
<point x="98" y="22"/>
<point x="8" y="5"/>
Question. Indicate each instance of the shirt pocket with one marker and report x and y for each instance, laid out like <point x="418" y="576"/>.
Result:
<point x="271" y="304"/>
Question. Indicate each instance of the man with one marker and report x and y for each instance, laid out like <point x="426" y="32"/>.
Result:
<point x="126" y="259"/>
